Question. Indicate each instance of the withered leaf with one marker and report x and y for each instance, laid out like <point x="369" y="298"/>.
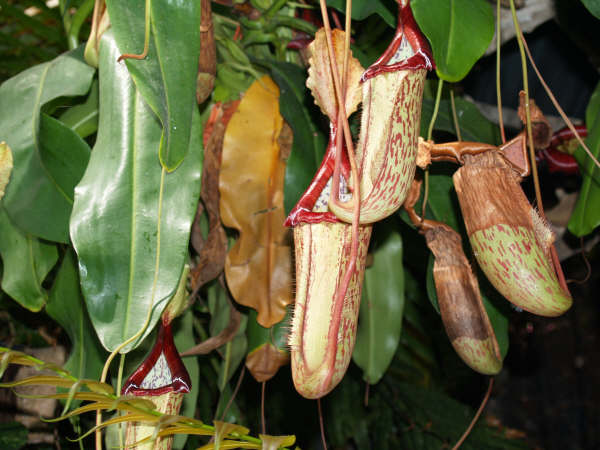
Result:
<point x="212" y="251"/>
<point x="264" y="362"/>
<point x="258" y="267"/>
<point x="226" y="335"/>
<point x="320" y="75"/>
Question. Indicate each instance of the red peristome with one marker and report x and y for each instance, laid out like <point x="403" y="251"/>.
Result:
<point x="303" y="211"/>
<point x="422" y="59"/>
<point x="558" y="160"/>
<point x="180" y="379"/>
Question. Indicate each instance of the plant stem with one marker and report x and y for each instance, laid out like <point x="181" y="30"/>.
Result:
<point x="436" y="107"/>
<point x="77" y="20"/>
<point x="561" y="112"/>
<point x="119" y="383"/>
<point x="498" y="90"/>
<point x="454" y="115"/>
<point x="534" y="173"/>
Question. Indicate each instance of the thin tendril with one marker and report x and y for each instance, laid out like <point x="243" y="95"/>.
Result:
<point x="534" y="173"/>
<point x="119" y="383"/>
<point x="454" y="115"/>
<point x="477" y="414"/>
<point x="321" y="424"/>
<point x="498" y="84"/>
<point x="345" y="132"/>
<point x="587" y="265"/>
<point x="561" y="112"/>
<point x="146" y="38"/>
<point x="436" y="107"/>
<point x="235" y="391"/>
<point x="262" y="408"/>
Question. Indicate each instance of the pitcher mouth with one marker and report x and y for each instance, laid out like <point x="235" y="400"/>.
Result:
<point x="162" y="371"/>
<point x="409" y="49"/>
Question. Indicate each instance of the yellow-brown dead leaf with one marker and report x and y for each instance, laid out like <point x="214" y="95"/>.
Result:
<point x="258" y="267"/>
<point x="320" y="75"/>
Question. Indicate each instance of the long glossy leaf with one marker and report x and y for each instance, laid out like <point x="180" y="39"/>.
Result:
<point x="459" y="31"/>
<point x="67" y="307"/>
<point x="26" y="261"/>
<point x="41" y="208"/>
<point x="380" y="319"/>
<point x="166" y="78"/>
<point x="586" y="215"/>
<point x="131" y="219"/>
<point x="309" y="142"/>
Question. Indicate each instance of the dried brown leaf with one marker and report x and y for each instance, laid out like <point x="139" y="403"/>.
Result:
<point x="212" y="251"/>
<point x="214" y="342"/>
<point x="264" y="362"/>
<point x="320" y="75"/>
<point x="258" y="267"/>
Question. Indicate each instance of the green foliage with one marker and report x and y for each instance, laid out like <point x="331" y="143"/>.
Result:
<point x="26" y="261"/>
<point x="131" y="219"/>
<point x="593" y="6"/>
<point x="122" y="212"/>
<point x="13" y="435"/>
<point x="459" y="31"/>
<point x="382" y="306"/>
<point x="166" y="78"/>
<point x="66" y="306"/>
<point x="43" y="208"/>
<point x="309" y="142"/>
<point x="586" y="216"/>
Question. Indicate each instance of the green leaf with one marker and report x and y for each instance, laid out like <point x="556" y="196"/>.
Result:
<point x="183" y="334"/>
<point x="258" y="335"/>
<point x="234" y="351"/>
<point x="586" y="215"/>
<point x="25" y="261"/>
<point x="459" y="32"/>
<point x="36" y="200"/>
<point x="361" y="9"/>
<point x="67" y="307"/>
<point x="166" y="78"/>
<point x="593" y="6"/>
<point x="83" y="118"/>
<point x="309" y="143"/>
<point x="13" y="435"/>
<point x="474" y="126"/>
<point x="497" y="318"/>
<point x="131" y="219"/>
<point x="380" y="319"/>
